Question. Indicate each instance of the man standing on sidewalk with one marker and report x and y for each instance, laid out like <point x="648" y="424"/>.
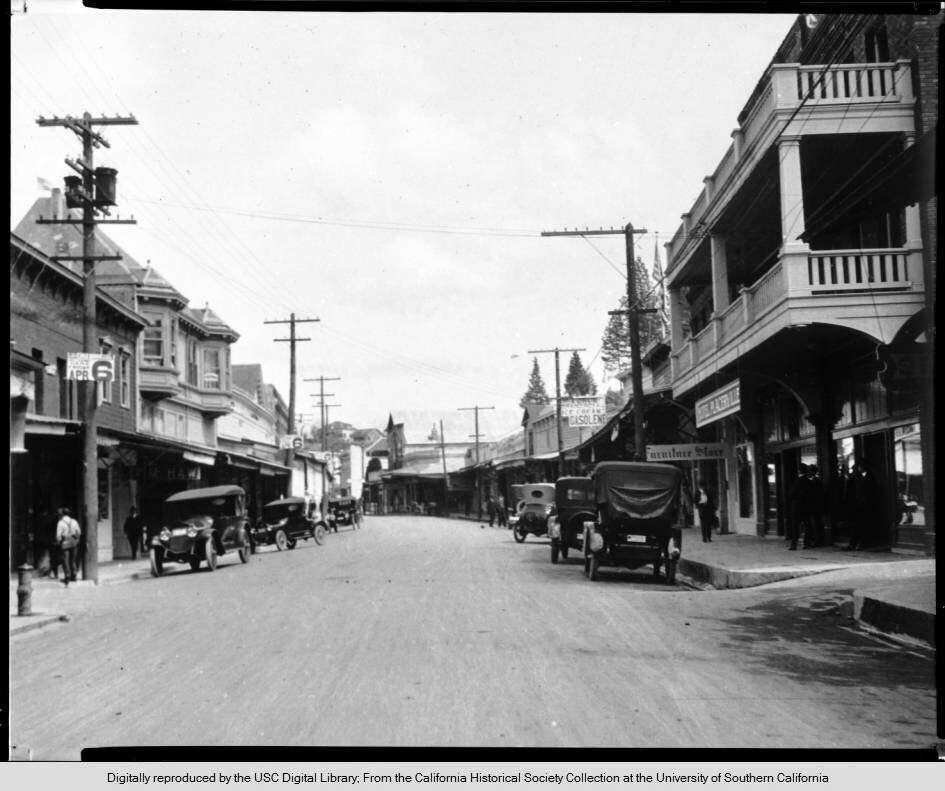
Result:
<point x="67" y="537"/>
<point x="133" y="531"/>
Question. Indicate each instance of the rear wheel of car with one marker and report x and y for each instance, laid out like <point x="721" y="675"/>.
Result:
<point x="210" y="554"/>
<point x="593" y="569"/>
<point x="246" y="550"/>
<point x="555" y="550"/>
<point x="157" y="562"/>
<point x="282" y="540"/>
<point x="290" y="543"/>
<point x="519" y="533"/>
<point x="318" y="533"/>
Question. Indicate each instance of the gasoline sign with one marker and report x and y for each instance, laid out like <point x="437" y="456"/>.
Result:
<point x="85" y="367"/>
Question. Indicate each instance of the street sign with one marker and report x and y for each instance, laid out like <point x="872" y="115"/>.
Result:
<point x="85" y="367"/>
<point x="584" y="412"/>
<point x="703" y="451"/>
<point x="724" y="401"/>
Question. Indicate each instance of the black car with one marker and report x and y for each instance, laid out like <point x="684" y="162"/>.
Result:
<point x="343" y="511"/>
<point x="200" y="525"/>
<point x="574" y="505"/>
<point x="637" y="520"/>
<point x="284" y="522"/>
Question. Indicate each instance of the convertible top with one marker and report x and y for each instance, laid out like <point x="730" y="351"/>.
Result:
<point x="639" y="490"/>
<point x="208" y="492"/>
<point x="287" y="501"/>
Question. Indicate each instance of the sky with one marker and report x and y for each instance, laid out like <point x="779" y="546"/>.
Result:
<point x="390" y="174"/>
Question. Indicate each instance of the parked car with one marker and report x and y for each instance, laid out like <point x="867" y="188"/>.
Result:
<point x="200" y="525"/>
<point x="343" y="511"/>
<point x="285" y="521"/>
<point x="537" y="504"/>
<point x="574" y="505"/>
<point x="637" y="519"/>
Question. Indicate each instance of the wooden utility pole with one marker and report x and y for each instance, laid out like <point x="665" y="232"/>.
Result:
<point x="477" y="435"/>
<point x="633" y="323"/>
<point x="557" y="352"/>
<point x="94" y="198"/>
<point x="291" y="340"/>
<point x="321" y="400"/>
<point x="446" y="477"/>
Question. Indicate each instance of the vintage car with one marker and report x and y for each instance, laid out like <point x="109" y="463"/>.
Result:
<point x="638" y="518"/>
<point x="536" y="505"/>
<point x="200" y="525"/>
<point x="574" y="505"/>
<point x="343" y="511"/>
<point x="284" y="522"/>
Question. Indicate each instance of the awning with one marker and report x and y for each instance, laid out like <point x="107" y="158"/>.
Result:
<point x="199" y="458"/>
<point x="51" y="426"/>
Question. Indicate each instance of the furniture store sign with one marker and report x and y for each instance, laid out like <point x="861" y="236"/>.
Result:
<point x="704" y="451"/>
<point x="723" y="402"/>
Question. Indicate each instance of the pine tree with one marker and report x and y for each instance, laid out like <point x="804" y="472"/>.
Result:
<point x="536" y="393"/>
<point x="579" y="381"/>
<point x="615" y="341"/>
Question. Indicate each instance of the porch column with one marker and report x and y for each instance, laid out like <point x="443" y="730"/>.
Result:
<point x="720" y="298"/>
<point x="792" y="195"/>
<point x="913" y="229"/>
<point x="676" y="313"/>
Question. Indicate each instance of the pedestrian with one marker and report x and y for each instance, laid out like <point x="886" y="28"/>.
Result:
<point x="867" y="508"/>
<point x="706" y="508"/>
<point x="67" y="537"/>
<point x="490" y="509"/>
<point x="816" y="504"/>
<point x="133" y="529"/>
<point x="798" y="507"/>
<point x="503" y="513"/>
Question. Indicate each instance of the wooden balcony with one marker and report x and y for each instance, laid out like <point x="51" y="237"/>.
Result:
<point x="158" y="382"/>
<point x="871" y="291"/>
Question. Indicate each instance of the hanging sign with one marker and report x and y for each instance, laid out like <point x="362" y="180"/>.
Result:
<point x="584" y="412"/>
<point x="723" y="402"/>
<point x="86" y="367"/>
<point x="290" y="442"/>
<point x="702" y="451"/>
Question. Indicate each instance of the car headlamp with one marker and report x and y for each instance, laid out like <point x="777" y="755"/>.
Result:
<point x="165" y="534"/>
<point x="191" y="531"/>
<point x="597" y="542"/>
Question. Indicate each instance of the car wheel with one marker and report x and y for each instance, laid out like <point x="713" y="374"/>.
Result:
<point x="290" y="543"/>
<point x="587" y="564"/>
<point x="157" y="562"/>
<point x="555" y="550"/>
<point x="210" y="554"/>
<point x="519" y="534"/>
<point x="246" y="550"/>
<point x="671" y="571"/>
<point x="281" y="540"/>
<point x="593" y="569"/>
<point x="318" y="533"/>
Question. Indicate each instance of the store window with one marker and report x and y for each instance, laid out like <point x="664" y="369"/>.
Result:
<point x="910" y="484"/>
<point x="124" y="379"/>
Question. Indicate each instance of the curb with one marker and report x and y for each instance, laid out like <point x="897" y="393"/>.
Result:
<point x="35" y="622"/>
<point x="726" y="579"/>
<point x="895" y="620"/>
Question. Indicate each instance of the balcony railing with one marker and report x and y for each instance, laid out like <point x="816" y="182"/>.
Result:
<point x="821" y="275"/>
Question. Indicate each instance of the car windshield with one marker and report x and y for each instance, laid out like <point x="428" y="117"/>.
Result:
<point x="579" y="496"/>
<point x="209" y="506"/>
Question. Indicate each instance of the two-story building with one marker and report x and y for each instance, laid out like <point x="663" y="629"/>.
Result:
<point x="807" y="257"/>
<point x="46" y="324"/>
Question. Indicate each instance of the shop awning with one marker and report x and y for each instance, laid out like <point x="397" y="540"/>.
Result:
<point x="51" y="426"/>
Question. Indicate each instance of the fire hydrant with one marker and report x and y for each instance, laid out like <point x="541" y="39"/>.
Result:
<point x="24" y="590"/>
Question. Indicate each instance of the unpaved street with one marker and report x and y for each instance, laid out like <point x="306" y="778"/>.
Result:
<point x="424" y="631"/>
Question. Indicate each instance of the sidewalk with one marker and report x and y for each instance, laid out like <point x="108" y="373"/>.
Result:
<point x="899" y="599"/>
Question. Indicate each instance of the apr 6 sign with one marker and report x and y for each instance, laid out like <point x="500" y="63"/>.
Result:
<point x="94" y="367"/>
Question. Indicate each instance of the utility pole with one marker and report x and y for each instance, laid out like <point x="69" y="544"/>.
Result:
<point x="291" y="340"/>
<point x="446" y="477"/>
<point x="321" y="398"/>
<point x="477" y="435"/>
<point x="557" y="352"/>
<point x="94" y="190"/>
<point x="633" y="323"/>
